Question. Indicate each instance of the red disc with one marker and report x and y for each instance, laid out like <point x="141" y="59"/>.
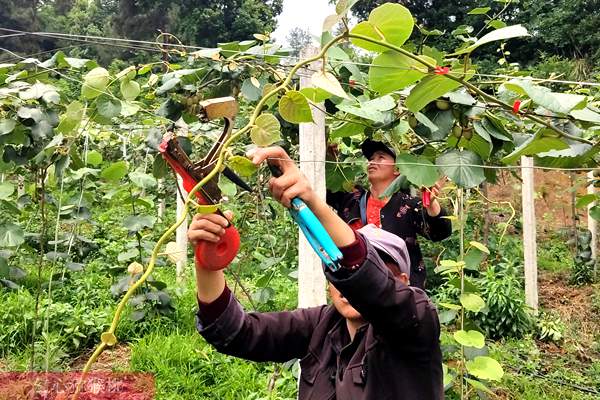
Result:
<point x="217" y="256"/>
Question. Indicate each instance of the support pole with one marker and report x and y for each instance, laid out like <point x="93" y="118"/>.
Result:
<point x="181" y="234"/>
<point x="311" y="280"/>
<point x="592" y="223"/>
<point x="529" y="233"/>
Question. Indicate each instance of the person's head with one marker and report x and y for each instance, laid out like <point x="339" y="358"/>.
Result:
<point x="392" y="251"/>
<point x="381" y="166"/>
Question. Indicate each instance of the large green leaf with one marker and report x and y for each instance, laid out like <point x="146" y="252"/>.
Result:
<point x="130" y="89"/>
<point x="391" y="71"/>
<point x="485" y="368"/>
<point x="135" y="223"/>
<point x="462" y="167"/>
<point x="108" y="107"/>
<point x="472" y="302"/>
<point x="294" y="108"/>
<point x="95" y="83"/>
<point x="562" y="103"/>
<point x="94" y="158"/>
<point x="536" y="144"/>
<point x="346" y="129"/>
<point x="328" y="82"/>
<point x="585" y="114"/>
<point x="266" y="130"/>
<point x="424" y="175"/>
<point x="115" y="172"/>
<point x="428" y="90"/>
<point x="499" y="34"/>
<point x="7" y="126"/>
<point x="470" y="338"/>
<point x="242" y="166"/>
<point x="391" y="22"/>
<point x="142" y="180"/>
<point x="72" y="118"/>
<point x="6" y="189"/>
<point x="11" y="235"/>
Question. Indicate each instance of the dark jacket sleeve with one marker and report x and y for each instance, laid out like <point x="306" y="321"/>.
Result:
<point x="276" y="336"/>
<point x="385" y="302"/>
<point x="433" y="228"/>
<point x="336" y="199"/>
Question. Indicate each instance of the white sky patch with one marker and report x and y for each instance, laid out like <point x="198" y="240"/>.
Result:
<point x="305" y="14"/>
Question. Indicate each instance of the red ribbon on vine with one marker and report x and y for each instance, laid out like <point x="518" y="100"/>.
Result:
<point x="441" y="70"/>
<point x="516" y="106"/>
<point x="351" y="83"/>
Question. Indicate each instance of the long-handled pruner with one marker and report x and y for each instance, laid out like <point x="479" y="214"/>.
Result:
<point x="313" y="230"/>
<point x="212" y="256"/>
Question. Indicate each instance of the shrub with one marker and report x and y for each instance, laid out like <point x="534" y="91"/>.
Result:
<point x="507" y="315"/>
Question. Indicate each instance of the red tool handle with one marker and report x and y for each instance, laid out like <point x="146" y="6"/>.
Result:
<point x="209" y="255"/>
<point x="426" y="197"/>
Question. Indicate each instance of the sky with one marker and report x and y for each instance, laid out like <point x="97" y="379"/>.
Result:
<point x="306" y="14"/>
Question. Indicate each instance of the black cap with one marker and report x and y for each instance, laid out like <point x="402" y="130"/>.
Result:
<point x="369" y="147"/>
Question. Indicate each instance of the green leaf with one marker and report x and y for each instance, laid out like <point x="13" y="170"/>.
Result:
<point x="316" y="95"/>
<point x="115" y="172"/>
<point x="94" y="158"/>
<point x="428" y="90"/>
<point x="450" y="306"/>
<point x="470" y="338"/>
<point x="472" y="302"/>
<point x="130" y="89"/>
<point x="473" y="259"/>
<point x="346" y="129"/>
<point x="497" y="24"/>
<point x="242" y="166"/>
<point x="536" y="144"/>
<point x="462" y="167"/>
<point x="479" y="11"/>
<point x="391" y="22"/>
<point x="227" y="187"/>
<point x="6" y="189"/>
<point x="562" y="103"/>
<point x="108" y="107"/>
<point x="479" y="246"/>
<point x="486" y="368"/>
<point x="251" y="91"/>
<point x="136" y="223"/>
<point x="328" y="82"/>
<point x="11" y="235"/>
<point x="499" y="34"/>
<point x="419" y="175"/>
<point x="142" y="180"/>
<point x="168" y="85"/>
<point x="392" y="71"/>
<point x="95" y="83"/>
<point x="263" y="295"/>
<point x="72" y="118"/>
<point x="7" y="126"/>
<point x="294" y="108"/>
<point x="266" y="130"/>
<point x="583" y="201"/>
<point x="479" y="386"/>
<point x="595" y="213"/>
<point x="585" y="114"/>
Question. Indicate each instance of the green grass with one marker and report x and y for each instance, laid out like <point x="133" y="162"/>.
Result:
<point x="185" y="367"/>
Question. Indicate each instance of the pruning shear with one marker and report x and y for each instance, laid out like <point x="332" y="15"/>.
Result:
<point x="211" y="256"/>
<point x="313" y="230"/>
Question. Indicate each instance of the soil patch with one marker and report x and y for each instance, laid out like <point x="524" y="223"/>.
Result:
<point x="111" y="359"/>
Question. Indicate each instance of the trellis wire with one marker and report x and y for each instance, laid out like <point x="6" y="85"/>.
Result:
<point x="66" y="36"/>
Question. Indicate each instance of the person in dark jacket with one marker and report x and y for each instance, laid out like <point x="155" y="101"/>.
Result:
<point x="378" y="340"/>
<point x="400" y="214"/>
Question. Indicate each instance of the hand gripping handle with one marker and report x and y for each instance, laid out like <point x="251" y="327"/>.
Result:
<point x="208" y="255"/>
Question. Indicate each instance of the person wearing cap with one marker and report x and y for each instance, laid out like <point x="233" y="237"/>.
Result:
<point x="379" y="339"/>
<point x="400" y="214"/>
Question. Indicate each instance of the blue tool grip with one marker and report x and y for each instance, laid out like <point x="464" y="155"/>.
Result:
<point x="316" y="229"/>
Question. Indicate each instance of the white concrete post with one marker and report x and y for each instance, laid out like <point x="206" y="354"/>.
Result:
<point x="181" y="234"/>
<point x="529" y="233"/>
<point x="311" y="280"/>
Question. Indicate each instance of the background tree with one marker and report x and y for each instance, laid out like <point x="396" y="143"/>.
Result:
<point x="298" y="39"/>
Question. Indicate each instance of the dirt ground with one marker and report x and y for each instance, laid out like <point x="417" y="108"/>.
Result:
<point x="552" y="198"/>
<point x="110" y="360"/>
